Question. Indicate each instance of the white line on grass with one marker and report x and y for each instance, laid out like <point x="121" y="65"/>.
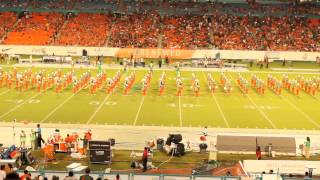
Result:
<point x="180" y="111"/>
<point x="4" y="92"/>
<point x="302" y="112"/>
<point x="218" y="105"/>
<point x="138" y="112"/>
<point x="259" y="109"/>
<point x="55" y="109"/>
<point x="98" y="109"/>
<point x="17" y="106"/>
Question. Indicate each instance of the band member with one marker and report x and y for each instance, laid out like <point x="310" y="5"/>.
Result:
<point x="179" y="85"/>
<point x="196" y="87"/>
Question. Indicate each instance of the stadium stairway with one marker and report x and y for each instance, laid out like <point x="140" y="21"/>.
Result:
<point x="109" y="34"/>
<point x="59" y="32"/>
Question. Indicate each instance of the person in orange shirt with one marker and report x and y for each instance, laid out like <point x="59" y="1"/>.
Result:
<point x="68" y="141"/>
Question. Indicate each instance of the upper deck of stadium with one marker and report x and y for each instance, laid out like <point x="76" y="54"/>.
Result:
<point x="231" y="25"/>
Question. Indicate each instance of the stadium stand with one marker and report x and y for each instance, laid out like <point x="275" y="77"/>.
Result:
<point x="264" y="33"/>
<point x="35" y="29"/>
<point x="7" y="20"/>
<point x="85" y="30"/>
<point x="194" y="31"/>
<point x="137" y="30"/>
<point x="234" y="26"/>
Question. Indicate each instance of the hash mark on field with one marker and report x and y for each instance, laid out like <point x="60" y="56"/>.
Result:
<point x="259" y="109"/>
<point x="137" y="115"/>
<point x="98" y="109"/>
<point x="55" y="109"/>
<point x="17" y="106"/>
<point x="218" y="105"/>
<point x="302" y="112"/>
<point x="5" y="92"/>
<point x="180" y="112"/>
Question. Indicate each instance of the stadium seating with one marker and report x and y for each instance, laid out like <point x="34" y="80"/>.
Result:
<point x="185" y="32"/>
<point x="264" y="33"/>
<point x="138" y="30"/>
<point x="245" y="26"/>
<point x="7" y="20"/>
<point x="85" y="30"/>
<point x="35" y="29"/>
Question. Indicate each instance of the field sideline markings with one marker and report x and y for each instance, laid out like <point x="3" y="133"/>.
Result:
<point x="5" y="92"/>
<point x="180" y="112"/>
<point x="260" y="111"/>
<point x="98" y="109"/>
<point x="138" y="112"/>
<point x="17" y="106"/>
<point x="55" y="109"/>
<point x="301" y="111"/>
<point x="218" y="105"/>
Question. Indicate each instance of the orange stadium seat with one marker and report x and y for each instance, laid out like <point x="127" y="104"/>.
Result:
<point x="85" y="30"/>
<point x="7" y="20"/>
<point x="35" y="29"/>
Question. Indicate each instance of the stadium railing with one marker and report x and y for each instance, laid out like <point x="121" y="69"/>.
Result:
<point x="130" y="176"/>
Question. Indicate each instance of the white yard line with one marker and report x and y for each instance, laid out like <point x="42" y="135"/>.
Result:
<point x="17" y="106"/>
<point x="138" y="112"/>
<point x="180" y="112"/>
<point x="301" y="112"/>
<point x="257" y="107"/>
<point x="218" y="105"/>
<point x="5" y="92"/>
<point x="55" y="109"/>
<point x="261" y="112"/>
<point x="98" y="109"/>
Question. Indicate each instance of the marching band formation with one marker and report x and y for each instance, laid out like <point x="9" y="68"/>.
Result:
<point x="58" y="81"/>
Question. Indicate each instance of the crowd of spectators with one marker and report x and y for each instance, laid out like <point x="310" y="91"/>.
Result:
<point x="137" y="30"/>
<point x="185" y="32"/>
<point x="35" y="29"/>
<point x="224" y="26"/>
<point x="7" y="20"/>
<point x="264" y="33"/>
<point x="85" y="30"/>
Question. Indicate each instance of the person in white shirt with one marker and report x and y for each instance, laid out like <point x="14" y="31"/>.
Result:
<point x="3" y="173"/>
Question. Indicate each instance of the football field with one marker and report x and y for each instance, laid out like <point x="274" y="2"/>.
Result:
<point x="215" y="110"/>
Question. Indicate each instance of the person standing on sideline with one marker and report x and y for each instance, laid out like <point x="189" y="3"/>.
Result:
<point x="307" y="145"/>
<point x="23" y="138"/>
<point x="39" y="136"/>
<point x="33" y="139"/>
<point x="145" y="158"/>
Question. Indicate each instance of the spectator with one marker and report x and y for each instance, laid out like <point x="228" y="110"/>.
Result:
<point x="271" y="171"/>
<point x="12" y="173"/>
<point x="117" y="177"/>
<point x="307" y="145"/>
<point x="3" y="173"/>
<point x="25" y="175"/>
<point x="145" y="159"/>
<point x="87" y="175"/>
<point x="307" y="176"/>
<point x="70" y="176"/>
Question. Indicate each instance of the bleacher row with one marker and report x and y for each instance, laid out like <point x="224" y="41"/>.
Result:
<point x="150" y="30"/>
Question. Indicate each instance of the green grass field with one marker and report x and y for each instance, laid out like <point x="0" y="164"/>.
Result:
<point x="220" y="110"/>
